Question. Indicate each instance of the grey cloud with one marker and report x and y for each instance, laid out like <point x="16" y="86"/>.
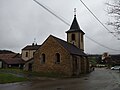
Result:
<point x="23" y="20"/>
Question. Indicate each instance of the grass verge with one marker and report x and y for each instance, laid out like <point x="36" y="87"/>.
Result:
<point x="11" y="75"/>
<point x="9" y="78"/>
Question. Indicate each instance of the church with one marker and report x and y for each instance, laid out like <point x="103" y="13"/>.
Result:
<point x="59" y="56"/>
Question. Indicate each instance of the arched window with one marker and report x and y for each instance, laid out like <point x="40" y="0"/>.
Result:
<point x="43" y="59"/>
<point x="73" y="37"/>
<point x="57" y="58"/>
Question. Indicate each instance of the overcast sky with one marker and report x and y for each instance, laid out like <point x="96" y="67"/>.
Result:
<point x="23" y="20"/>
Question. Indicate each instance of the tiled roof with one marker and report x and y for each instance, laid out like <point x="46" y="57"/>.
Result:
<point x="31" y="47"/>
<point x="70" y="47"/>
<point x="6" y="56"/>
<point x="75" y="27"/>
<point x="13" y="61"/>
<point x="17" y="56"/>
<point x="116" y="57"/>
<point x="30" y="60"/>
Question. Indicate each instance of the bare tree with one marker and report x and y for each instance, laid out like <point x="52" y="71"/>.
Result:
<point x="114" y="11"/>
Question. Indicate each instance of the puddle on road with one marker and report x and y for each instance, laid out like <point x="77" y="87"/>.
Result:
<point x="59" y="88"/>
<point x="86" y="79"/>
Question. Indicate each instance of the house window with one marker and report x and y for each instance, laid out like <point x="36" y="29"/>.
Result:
<point x="57" y="58"/>
<point x="73" y="37"/>
<point x="33" y="53"/>
<point x="43" y="59"/>
<point x="26" y="54"/>
<point x="81" y="38"/>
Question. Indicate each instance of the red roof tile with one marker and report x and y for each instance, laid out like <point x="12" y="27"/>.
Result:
<point x="13" y="61"/>
<point x="6" y="56"/>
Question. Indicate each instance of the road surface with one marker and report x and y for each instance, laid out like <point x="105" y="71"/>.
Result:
<point x="100" y="79"/>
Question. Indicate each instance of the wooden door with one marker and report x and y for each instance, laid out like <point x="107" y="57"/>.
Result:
<point x="75" y="65"/>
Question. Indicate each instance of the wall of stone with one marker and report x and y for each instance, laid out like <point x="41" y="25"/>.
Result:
<point x="50" y="48"/>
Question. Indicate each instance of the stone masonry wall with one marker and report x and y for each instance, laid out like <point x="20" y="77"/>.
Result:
<point x="50" y="47"/>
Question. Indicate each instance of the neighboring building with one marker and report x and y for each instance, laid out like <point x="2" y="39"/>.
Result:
<point x="115" y="59"/>
<point x="95" y="59"/>
<point x="28" y="51"/>
<point x="111" y="60"/>
<point x="57" y="55"/>
<point x="11" y="60"/>
<point x="29" y="64"/>
<point x="27" y="55"/>
<point x="106" y="58"/>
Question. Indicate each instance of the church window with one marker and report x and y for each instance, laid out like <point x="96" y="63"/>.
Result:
<point x="43" y="59"/>
<point x="57" y="58"/>
<point x="73" y="37"/>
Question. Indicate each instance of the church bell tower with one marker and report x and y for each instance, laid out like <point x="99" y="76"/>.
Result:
<point x="75" y="35"/>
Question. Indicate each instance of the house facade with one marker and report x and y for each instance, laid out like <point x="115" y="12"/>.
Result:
<point x="27" y="55"/>
<point x="67" y="57"/>
<point x="28" y="51"/>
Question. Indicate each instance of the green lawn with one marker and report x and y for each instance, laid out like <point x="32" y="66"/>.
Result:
<point x="10" y="75"/>
<point x="9" y="78"/>
<point x="33" y="74"/>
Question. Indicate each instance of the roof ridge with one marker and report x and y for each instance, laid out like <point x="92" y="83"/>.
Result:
<point x="69" y="47"/>
<point x="31" y="47"/>
<point x="65" y="42"/>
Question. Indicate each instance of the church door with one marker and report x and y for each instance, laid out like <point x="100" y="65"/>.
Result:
<point x="75" y="65"/>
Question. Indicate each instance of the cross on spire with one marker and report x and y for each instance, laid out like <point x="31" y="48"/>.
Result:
<point x="34" y="42"/>
<point x="75" y="12"/>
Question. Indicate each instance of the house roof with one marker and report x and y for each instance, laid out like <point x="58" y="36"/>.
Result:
<point x="31" y="47"/>
<point x="30" y="60"/>
<point x="17" y="55"/>
<point x="75" y="26"/>
<point x="13" y="61"/>
<point x="70" y="47"/>
<point x="115" y="57"/>
<point x="11" y="58"/>
<point x="6" y="56"/>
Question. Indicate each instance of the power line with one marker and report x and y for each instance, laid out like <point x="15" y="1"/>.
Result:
<point x="51" y="11"/>
<point x="96" y="18"/>
<point x="101" y="44"/>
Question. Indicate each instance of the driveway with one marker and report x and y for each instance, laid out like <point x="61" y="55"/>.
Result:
<point x="100" y="79"/>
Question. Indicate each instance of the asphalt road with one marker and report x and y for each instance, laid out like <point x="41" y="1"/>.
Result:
<point x="100" y="79"/>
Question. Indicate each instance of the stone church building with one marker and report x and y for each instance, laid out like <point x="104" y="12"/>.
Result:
<point x="67" y="57"/>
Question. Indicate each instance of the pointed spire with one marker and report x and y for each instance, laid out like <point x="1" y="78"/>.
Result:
<point x="74" y="26"/>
